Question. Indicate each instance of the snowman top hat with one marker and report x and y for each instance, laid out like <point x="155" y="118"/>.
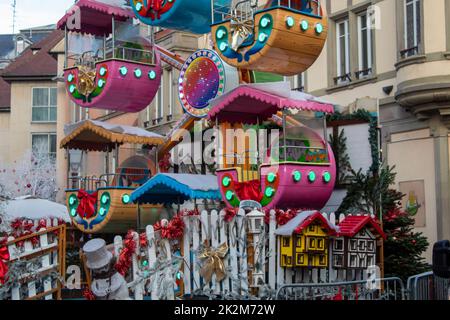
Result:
<point x="97" y="256"/>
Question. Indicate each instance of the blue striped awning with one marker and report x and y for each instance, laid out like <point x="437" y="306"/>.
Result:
<point x="170" y="188"/>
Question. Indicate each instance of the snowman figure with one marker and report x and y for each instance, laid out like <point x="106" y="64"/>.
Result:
<point x="107" y="283"/>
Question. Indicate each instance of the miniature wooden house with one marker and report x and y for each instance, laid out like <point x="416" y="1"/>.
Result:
<point x="304" y="241"/>
<point x="355" y="247"/>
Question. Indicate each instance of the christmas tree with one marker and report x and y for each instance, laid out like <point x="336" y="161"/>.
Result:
<point x="404" y="247"/>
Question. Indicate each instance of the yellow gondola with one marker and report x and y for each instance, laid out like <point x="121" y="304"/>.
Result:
<point x="277" y="36"/>
<point x="102" y="204"/>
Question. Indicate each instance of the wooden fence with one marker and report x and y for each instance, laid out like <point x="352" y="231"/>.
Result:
<point x="45" y="252"/>
<point x="248" y="253"/>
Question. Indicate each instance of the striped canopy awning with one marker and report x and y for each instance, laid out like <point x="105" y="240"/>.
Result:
<point x="91" y="135"/>
<point x="173" y="188"/>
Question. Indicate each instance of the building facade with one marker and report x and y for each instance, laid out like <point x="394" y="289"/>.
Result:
<point x="398" y="53"/>
<point x="28" y="115"/>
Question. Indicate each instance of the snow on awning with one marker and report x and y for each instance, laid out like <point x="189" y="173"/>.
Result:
<point x="250" y="102"/>
<point x="170" y="188"/>
<point x="95" y="135"/>
<point x="95" y="16"/>
<point x="302" y="220"/>
<point x="36" y="209"/>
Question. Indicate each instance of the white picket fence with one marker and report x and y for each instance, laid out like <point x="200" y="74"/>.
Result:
<point x="48" y="257"/>
<point x="212" y="229"/>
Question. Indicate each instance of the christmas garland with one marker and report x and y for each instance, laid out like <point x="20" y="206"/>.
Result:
<point x="282" y="217"/>
<point x="230" y="213"/>
<point x="4" y="257"/>
<point x="24" y="227"/>
<point x="88" y="294"/>
<point x="124" y="262"/>
<point x="171" y="230"/>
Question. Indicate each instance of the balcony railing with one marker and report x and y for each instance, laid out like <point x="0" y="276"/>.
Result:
<point x="345" y="78"/>
<point x="409" y="52"/>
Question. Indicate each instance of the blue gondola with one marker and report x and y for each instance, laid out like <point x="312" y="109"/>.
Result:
<point x="187" y="15"/>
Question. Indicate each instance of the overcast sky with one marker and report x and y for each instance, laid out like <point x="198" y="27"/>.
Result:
<point x="31" y="13"/>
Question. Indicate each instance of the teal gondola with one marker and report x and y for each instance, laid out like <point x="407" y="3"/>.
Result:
<point x="187" y="15"/>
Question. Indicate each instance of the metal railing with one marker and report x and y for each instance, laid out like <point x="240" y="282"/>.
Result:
<point x="427" y="286"/>
<point x="90" y="58"/>
<point x="298" y="151"/>
<point x="125" y="179"/>
<point x="243" y="11"/>
<point x="131" y="54"/>
<point x="92" y="183"/>
<point x="224" y="10"/>
<point x="385" y="289"/>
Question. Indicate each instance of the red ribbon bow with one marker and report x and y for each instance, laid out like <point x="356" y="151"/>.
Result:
<point x="4" y="256"/>
<point x="156" y="5"/>
<point x="86" y="208"/>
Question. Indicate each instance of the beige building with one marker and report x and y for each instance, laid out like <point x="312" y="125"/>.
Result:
<point x="397" y="51"/>
<point x="28" y="112"/>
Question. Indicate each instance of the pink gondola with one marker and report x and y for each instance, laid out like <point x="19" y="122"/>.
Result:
<point x="298" y="172"/>
<point x="109" y="64"/>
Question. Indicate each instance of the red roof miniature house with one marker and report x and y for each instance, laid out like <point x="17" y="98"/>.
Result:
<point x="304" y="240"/>
<point x="356" y="247"/>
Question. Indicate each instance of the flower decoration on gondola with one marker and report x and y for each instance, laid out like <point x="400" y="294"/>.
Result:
<point x="86" y="80"/>
<point x="241" y="30"/>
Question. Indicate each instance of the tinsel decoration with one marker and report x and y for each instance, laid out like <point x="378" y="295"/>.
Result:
<point x="230" y="213"/>
<point x="4" y="258"/>
<point x="164" y="163"/>
<point x="24" y="227"/>
<point x="125" y="257"/>
<point x="189" y="213"/>
<point x="143" y="241"/>
<point x="88" y="294"/>
<point x="162" y="276"/>
<point x="172" y="230"/>
<point x="282" y="217"/>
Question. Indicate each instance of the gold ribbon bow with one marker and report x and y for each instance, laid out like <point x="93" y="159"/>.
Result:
<point x="213" y="263"/>
<point x="240" y="31"/>
<point x="86" y="81"/>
